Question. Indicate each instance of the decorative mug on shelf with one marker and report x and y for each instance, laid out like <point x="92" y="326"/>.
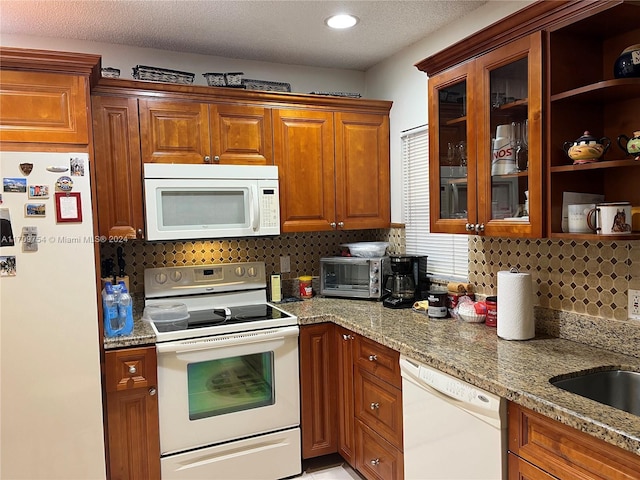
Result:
<point x="586" y="149"/>
<point x="612" y="218"/>
<point x="631" y="145"/>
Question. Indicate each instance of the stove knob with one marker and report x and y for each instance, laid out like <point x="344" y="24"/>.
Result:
<point x="161" y="278"/>
<point x="176" y="276"/>
<point x="252" y="271"/>
<point x="374" y="279"/>
<point x="239" y="271"/>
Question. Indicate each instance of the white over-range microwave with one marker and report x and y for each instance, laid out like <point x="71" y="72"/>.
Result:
<point x="210" y="201"/>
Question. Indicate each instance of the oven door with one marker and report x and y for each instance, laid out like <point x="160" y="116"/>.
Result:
<point x="226" y="387"/>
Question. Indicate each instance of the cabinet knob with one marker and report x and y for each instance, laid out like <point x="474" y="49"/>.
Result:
<point x="207" y="159"/>
<point x="469" y="227"/>
<point x="152" y="391"/>
<point x="347" y="337"/>
<point x="140" y="233"/>
<point x="132" y="369"/>
<point x="479" y="227"/>
<point x="216" y="159"/>
<point x="374" y="405"/>
<point x="375" y="461"/>
<point x="340" y="224"/>
<point x="373" y="358"/>
<point x="333" y="224"/>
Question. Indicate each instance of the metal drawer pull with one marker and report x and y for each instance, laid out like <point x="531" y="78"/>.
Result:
<point x="375" y="461"/>
<point x="373" y="358"/>
<point x="132" y="369"/>
<point x="152" y="391"/>
<point x="374" y="405"/>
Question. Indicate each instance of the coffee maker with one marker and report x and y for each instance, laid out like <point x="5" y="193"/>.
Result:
<point x="408" y="281"/>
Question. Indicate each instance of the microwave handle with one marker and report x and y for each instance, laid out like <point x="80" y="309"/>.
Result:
<point x="254" y="208"/>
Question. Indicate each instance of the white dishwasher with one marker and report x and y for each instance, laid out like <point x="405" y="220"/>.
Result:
<point x="452" y="430"/>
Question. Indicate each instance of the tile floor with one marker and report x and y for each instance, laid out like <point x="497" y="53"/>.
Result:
<point x="328" y="468"/>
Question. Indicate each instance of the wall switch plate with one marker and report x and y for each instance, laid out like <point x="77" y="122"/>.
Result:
<point x="285" y="264"/>
<point x="634" y="304"/>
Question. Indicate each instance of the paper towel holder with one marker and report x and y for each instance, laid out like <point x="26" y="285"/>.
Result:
<point x="514" y="270"/>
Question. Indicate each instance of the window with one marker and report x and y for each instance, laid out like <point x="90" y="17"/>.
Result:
<point x="448" y="254"/>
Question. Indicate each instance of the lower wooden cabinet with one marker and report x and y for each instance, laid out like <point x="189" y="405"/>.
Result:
<point x="541" y="446"/>
<point x="318" y="390"/>
<point x="376" y="458"/>
<point x="348" y="408"/>
<point x="132" y="414"/>
<point x="520" y="469"/>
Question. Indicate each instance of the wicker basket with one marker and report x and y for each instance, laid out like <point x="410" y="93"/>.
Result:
<point x="154" y="74"/>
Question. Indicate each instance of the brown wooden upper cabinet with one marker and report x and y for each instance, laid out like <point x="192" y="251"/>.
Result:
<point x="42" y="107"/>
<point x="190" y="132"/>
<point x="118" y="167"/>
<point x="324" y="160"/>
<point x="484" y="177"/>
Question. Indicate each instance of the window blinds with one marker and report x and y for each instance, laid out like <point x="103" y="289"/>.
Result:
<point x="448" y="254"/>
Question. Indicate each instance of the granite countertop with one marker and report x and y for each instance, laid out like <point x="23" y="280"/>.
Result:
<point x="516" y="370"/>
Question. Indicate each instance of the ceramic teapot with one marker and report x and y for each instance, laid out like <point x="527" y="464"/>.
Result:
<point x="632" y="145"/>
<point x="586" y="149"/>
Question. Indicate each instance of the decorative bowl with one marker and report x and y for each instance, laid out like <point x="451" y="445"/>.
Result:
<point x="155" y="74"/>
<point x="627" y="65"/>
<point x="367" y="249"/>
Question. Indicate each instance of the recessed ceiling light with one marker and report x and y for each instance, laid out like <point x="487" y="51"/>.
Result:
<point x="341" y="21"/>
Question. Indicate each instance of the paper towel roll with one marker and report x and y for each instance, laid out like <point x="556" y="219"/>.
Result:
<point x="515" y="306"/>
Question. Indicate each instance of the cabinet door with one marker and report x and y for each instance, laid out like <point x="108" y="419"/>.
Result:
<point x="509" y="91"/>
<point x="452" y="150"/>
<point x="241" y="135"/>
<point x="43" y="108"/>
<point x="318" y="390"/>
<point x="362" y="171"/>
<point x="118" y="166"/>
<point x="346" y="427"/>
<point x="565" y="452"/>
<point x="132" y="413"/>
<point x="303" y="149"/>
<point x="174" y="132"/>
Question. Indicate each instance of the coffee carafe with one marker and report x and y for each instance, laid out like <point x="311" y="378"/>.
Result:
<point x="400" y="285"/>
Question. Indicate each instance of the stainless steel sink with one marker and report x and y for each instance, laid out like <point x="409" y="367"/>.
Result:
<point x="616" y="388"/>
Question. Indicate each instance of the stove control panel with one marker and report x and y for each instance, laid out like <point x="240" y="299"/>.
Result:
<point x="213" y="278"/>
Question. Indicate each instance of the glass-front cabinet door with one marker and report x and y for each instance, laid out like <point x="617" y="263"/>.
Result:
<point x="485" y="157"/>
<point x="452" y="150"/>
<point x="509" y="139"/>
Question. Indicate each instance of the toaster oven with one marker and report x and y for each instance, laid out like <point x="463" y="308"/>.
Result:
<point x="353" y="277"/>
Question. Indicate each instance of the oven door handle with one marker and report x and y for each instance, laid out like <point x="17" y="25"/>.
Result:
<point x="221" y="341"/>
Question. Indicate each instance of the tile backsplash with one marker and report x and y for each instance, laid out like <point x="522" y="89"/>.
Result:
<point x="304" y="250"/>
<point x="589" y="278"/>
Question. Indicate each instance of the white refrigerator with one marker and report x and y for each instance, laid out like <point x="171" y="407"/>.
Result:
<point x="50" y="386"/>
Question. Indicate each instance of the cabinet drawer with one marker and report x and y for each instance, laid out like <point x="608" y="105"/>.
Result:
<point x="381" y="361"/>
<point x="520" y="469"/>
<point x="131" y="368"/>
<point x="376" y="458"/>
<point x="565" y="452"/>
<point x="379" y="406"/>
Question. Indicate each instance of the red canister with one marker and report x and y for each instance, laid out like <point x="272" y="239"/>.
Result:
<point x="492" y="312"/>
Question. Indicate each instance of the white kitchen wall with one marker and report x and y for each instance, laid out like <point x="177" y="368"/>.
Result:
<point x="397" y="79"/>
<point x="302" y="79"/>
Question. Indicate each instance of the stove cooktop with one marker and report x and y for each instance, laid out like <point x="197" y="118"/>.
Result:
<point x="218" y="321"/>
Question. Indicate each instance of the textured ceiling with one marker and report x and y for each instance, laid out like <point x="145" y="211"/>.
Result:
<point x="291" y="32"/>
